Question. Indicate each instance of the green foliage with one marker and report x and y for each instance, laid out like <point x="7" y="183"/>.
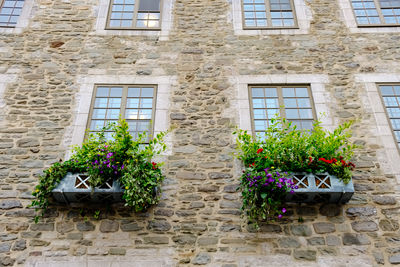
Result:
<point x="284" y="149"/>
<point x="289" y="149"/>
<point x="121" y="158"/>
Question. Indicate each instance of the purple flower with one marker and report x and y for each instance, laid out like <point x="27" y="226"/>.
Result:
<point x="280" y="216"/>
<point x="279" y="185"/>
<point x="283" y="210"/>
<point x="270" y="180"/>
<point x="278" y="174"/>
<point x="101" y="171"/>
<point x="122" y="167"/>
<point x="296" y="187"/>
<point x="281" y="180"/>
<point x="291" y="192"/>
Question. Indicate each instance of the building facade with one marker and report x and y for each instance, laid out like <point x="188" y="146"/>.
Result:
<point x="69" y="65"/>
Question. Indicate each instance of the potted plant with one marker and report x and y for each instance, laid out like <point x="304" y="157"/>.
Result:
<point x="292" y="165"/>
<point x="106" y="170"/>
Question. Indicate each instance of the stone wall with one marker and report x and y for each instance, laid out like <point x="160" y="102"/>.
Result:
<point x="198" y="220"/>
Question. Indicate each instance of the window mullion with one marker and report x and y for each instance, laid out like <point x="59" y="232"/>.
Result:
<point x="124" y="100"/>
<point x="268" y="13"/>
<point x="281" y="102"/>
<point x="379" y="10"/>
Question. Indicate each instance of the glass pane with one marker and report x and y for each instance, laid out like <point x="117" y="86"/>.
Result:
<point x="116" y="92"/>
<point x="395" y="124"/>
<point x="131" y="114"/>
<point x="133" y="92"/>
<point x="386" y="90"/>
<point x="132" y="125"/>
<point x="113" y="114"/>
<point x="114" y="103"/>
<point x="100" y="103"/>
<point x="145" y="114"/>
<point x="292" y="114"/>
<point x="143" y="126"/>
<point x="149" y="5"/>
<point x="147" y="92"/>
<point x="146" y="103"/>
<point x="132" y="103"/>
<point x="290" y="103"/>
<point x="272" y="102"/>
<point x="305" y="113"/>
<point x="102" y="91"/>
<point x="397" y="89"/>
<point x="304" y="102"/>
<point x="397" y="134"/>
<point x="301" y="92"/>
<point x="260" y="114"/>
<point x="126" y="23"/>
<point x="271" y="92"/>
<point x="257" y="92"/>
<point x="96" y="125"/>
<point x="288" y="92"/>
<point x="390" y="101"/>
<point x="307" y="125"/>
<point x="272" y="113"/>
<point x="250" y="23"/>
<point x="99" y="114"/>
<point x="260" y="125"/>
<point x="258" y="103"/>
<point x="394" y="112"/>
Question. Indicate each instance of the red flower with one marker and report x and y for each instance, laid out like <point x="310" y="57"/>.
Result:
<point x="310" y="160"/>
<point x="154" y="165"/>
<point x="259" y="150"/>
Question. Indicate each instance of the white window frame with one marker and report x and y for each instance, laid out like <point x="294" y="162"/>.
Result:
<point x="101" y="12"/>
<point x="23" y="19"/>
<point x="347" y="14"/>
<point x="75" y="133"/>
<point x="303" y="17"/>
<point x="388" y="156"/>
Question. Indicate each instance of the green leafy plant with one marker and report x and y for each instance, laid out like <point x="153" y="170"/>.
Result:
<point x="121" y="158"/>
<point x="283" y="148"/>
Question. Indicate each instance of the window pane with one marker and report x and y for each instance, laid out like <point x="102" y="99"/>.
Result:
<point x="133" y="92"/>
<point x="147" y="92"/>
<point x="301" y="92"/>
<point x="114" y="102"/>
<point x="99" y="114"/>
<point x="113" y="114"/>
<point x="146" y="103"/>
<point x="288" y="92"/>
<point x="116" y="92"/>
<point x="386" y="90"/>
<point x="258" y="92"/>
<point x="258" y="103"/>
<point x="271" y="92"/>
<point x="10" y="11"/>
<point x="149" y="5"/>
<point x="100" y="103"/>
<point x="132" y="103"/>
<point x="131" y="114"/>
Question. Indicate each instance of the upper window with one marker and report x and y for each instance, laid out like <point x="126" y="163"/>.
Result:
<point x="266" y="14"/>
<point x="291" y="102"/>
<point x="377" y="12"/>
<point x="391" y="98"/>
<point x="9" y="12"/>
<point x="134" y="14"/>
<point x="135" y="104"/>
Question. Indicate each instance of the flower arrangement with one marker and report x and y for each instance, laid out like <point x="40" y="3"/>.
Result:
<point x="122" y="158"/>
<point x="284" y="149"/>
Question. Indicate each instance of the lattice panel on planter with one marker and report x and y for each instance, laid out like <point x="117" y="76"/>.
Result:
<point x="75" y="188"/>
<point x="319" y="188"/>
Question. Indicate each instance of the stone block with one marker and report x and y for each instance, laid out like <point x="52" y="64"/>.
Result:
<point x="324" y="227"/>
<point x="364" y="226"/>
<point x="202" y="258"/>
<point x="108" y="226"/>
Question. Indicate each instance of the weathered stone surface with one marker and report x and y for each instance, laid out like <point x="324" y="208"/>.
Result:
<point x="10" y="204"/>
<point x="361" y="211"/>
<point x="184" y="239"/>
<point x="64" y="227"/>
<point x="42" y="227"/>
<point x="86" y="226"/>
<point x="394" y="259"/>
<point x="355" y="239"/>
<point x="389" y="225"/>
<point x="289" y="242"/>
<point x="206" y="241"/>
<point x="316" y="241"/>
<point x="117" y="251"/>
<point x="300" y="230"/>
<point x="130" y="226"/>
<point x="19" y="245"/>
<point x="330" y="210"/>
<point x="384" y="200"/>
<point x="159" y="226"/>
<point x="5" y="247"/>
<point x="201" y="259"/>
<point x="28" y="142"/>
<point x="309" y="255"/>
<point x="332" y="240"/>
<point x="364" y="226"/>
<point x="322" y="228"/>
<point x="108" y="226"/>
<point x="157" y="240"/>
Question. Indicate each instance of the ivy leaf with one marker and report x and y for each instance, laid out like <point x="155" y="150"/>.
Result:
<point x="264" y="195"/>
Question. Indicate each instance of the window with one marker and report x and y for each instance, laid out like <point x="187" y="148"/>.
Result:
<point x="391" y="99"/>
<point x="135" y="103"/>
<point x="377" y="12"/>
<point x="9" y="12"/>
<point x="291" y="102"/>
<point x="268" y="14"/>
<point x="134" y="14"/>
